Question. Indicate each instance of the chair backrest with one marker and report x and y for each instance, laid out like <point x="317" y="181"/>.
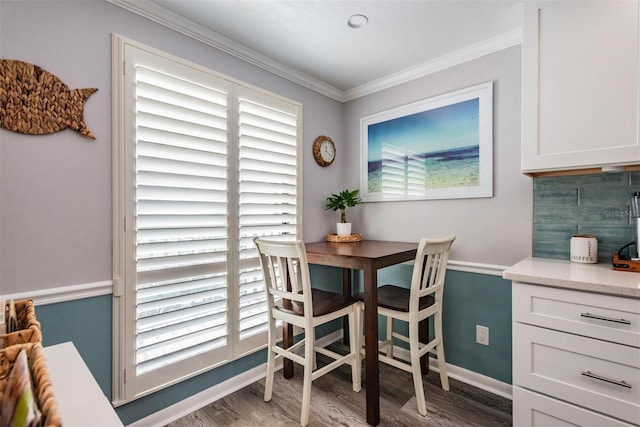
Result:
<point x="286" y="271"/>
<point x="430" y="269"/>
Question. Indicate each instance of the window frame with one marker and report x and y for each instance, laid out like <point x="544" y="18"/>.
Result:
<point x="127" y="386"/>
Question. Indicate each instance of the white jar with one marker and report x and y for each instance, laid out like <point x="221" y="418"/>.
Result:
<point x="584" y="248"/>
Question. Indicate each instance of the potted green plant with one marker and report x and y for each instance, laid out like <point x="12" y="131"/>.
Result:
<point x="340" y="202"/>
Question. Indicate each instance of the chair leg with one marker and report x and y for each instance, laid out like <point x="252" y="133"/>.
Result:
<point x="389" y="341"/>
<point x="423" y="330"/>
<point x="414" y="347"/>
<point x="271" y="364"/>
<point x="361" y="330"/>
<point x="354" y="347"/>
<point x="309" y="356"/>
<point x="442" y="365"/>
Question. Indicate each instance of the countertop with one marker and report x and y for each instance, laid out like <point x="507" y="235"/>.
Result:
<point x="599" y="278"/>
<point x="80" y="400"/>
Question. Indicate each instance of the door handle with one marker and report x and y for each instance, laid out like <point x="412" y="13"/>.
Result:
<point x="608" y="319"/>
<point x="621" y="383"/>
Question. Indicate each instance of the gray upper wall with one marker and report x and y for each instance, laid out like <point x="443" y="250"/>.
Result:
<point x="493" y="230"/>
<point x="55" y="190"/>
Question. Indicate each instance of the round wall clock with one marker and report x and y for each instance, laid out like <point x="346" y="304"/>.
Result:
<point x="324" y="150"/>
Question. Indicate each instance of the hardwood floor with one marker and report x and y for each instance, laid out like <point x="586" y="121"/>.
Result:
<point x="334" y="403"/>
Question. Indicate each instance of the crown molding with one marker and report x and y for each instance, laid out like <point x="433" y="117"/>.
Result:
<point x="474" y="51"/>
<point x="211" y="38"/>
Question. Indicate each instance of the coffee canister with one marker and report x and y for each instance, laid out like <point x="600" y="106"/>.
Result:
<point x="584" y="248"/>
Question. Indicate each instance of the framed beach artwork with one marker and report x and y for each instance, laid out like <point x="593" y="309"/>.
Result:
<point x="437" y="148"/>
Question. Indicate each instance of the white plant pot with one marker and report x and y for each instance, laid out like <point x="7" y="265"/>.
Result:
<point x="344" y="228"/>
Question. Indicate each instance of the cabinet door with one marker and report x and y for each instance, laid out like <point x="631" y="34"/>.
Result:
<point x="536" y="410"/>
<point x="598" y="375"/>
<point x="579" y="84"/>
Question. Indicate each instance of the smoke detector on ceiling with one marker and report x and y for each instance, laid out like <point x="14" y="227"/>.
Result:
<point x="357" y="21"/>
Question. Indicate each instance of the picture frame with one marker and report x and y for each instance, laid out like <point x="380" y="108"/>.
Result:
<point x="437" y="148"/>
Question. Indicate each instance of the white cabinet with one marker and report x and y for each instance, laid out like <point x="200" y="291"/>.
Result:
<point x="576" y="357"/>
<point x="580" y="82"/>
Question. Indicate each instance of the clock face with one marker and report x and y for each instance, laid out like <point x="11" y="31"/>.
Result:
<point x="327" y="150"/>
<point x="324" y="150"/>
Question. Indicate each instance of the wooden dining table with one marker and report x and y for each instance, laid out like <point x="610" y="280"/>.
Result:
<point x="368" y="256"/>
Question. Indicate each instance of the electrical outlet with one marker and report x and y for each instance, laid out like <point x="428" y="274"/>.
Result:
<point x="482" y="335"/>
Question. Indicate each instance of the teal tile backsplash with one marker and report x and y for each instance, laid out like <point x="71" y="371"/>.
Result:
<point x="595" y="204"/>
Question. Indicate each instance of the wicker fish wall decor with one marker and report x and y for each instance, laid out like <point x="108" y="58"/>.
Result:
<point x="35" y="102"/>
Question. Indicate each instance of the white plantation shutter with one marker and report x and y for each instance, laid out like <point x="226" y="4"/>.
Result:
<point x="181" y="221"/>
<point x="268" y="182"/>
<point x="203" y="165"/>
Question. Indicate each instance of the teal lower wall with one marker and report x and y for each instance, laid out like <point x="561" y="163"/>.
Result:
<point x="88" y="324"/>
<point x="476" y="299"/>
<point x="469" y="299"/>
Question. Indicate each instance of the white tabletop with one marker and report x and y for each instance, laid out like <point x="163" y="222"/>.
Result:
<point x="80" y="399"/>
<point x="600" y="278"/>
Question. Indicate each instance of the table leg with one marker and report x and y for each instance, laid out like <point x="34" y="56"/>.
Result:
<point x="423" y="335"/>
<point x="287" y="341"/>
<point x="371" y="344"/>
<point x="346" y="290"/>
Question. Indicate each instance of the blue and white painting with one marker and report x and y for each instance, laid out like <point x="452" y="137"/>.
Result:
<point x="437" y="148"/>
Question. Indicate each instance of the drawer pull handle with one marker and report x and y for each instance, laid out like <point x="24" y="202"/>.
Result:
<point x="621" y="383"/>
<point x="608" y="319"/>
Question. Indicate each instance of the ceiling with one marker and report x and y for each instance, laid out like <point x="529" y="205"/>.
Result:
<point x="310" y="42"/>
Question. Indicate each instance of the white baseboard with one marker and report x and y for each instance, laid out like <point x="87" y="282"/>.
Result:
<point x="202" y="399"/>
<point x="210" y="395"/>
<point x="464" y="375"/>
<point x="477" y="380"/>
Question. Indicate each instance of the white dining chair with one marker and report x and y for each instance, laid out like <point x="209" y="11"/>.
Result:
<point x="422" y="300"/>
<point x="291" y="299"/>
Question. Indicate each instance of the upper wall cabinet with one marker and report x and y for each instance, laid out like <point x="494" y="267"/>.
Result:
<point x="580" y="84"/>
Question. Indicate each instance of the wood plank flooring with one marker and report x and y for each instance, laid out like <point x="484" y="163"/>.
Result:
<point x="334" y="403"/>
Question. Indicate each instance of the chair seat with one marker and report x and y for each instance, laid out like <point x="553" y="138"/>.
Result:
<point x="324" y="302"/>
<point x="397" y="298"/>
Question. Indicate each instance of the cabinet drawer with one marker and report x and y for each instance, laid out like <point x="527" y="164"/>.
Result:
<point x="598" y="375"/>
<point x="536" y="410"/>
<point x="605" y="317"/>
